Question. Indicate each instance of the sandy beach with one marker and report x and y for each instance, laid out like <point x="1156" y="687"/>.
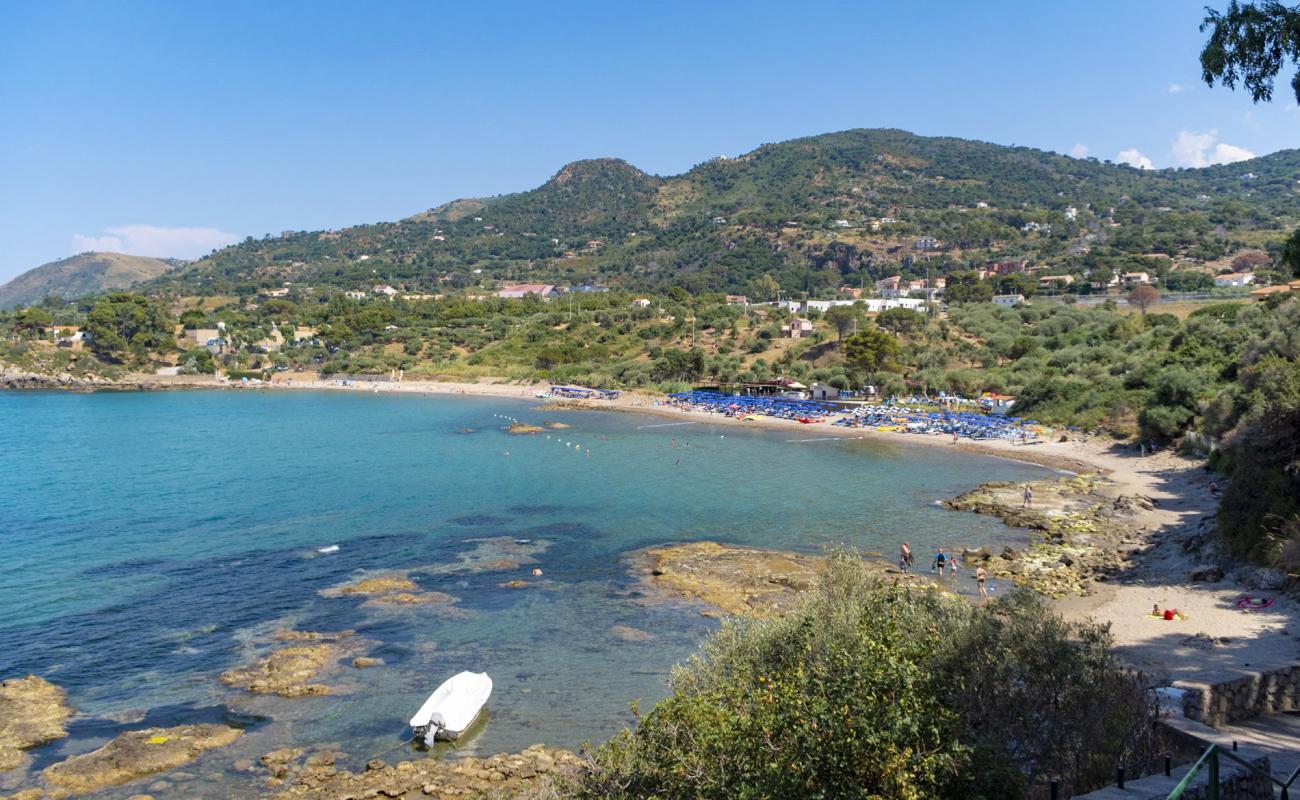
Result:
<point x="1215" y="637"/>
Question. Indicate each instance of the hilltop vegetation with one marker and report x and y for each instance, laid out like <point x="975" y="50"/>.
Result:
<point x="814" y="213"/>
<point x="80" y="275"/>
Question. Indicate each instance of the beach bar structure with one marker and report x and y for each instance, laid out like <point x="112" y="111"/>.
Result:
<point x="780" y="387"/>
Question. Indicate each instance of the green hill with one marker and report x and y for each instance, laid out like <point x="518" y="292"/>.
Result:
<point x="82" y="274"/>
<point x="813" y="212"/>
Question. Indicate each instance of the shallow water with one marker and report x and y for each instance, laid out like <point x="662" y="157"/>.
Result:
<point x="150" y="541"/>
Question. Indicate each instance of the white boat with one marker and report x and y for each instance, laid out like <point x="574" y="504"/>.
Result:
<point x="453" y="707"/>
<point x="327" y="550"/>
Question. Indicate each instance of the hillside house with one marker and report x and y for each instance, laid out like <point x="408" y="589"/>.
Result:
<point x="521" y="290"/>
<point x="926" y="243"/>
<point x="1006" y="267"/>
<point x="69" y="336"/>
<point x="641" y="302"/>
<point x="737" y="300"/>
<point x="1136" y="278"/>
<point x="797" y="328"/>
<point x="890" y="287"/>
<point x="1234" y="279"/>
<point x="1008" y="300"/>
<point x="214" y="339"/>
<point x="384" y="290"/>
<point x="1264" y="291"/>
<point x="355" y="294"/>
<point x="1055" y="282"/>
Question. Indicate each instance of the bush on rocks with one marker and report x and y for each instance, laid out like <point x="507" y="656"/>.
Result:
<point x="868" y="690"/>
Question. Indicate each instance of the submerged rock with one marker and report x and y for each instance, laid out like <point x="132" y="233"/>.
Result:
<point x="32" y="711"/>
<point x="390" y="590"/>
<point x="133" y="755"/>
<point x="629" y="634"/>
<point x="380" y="584"/>
<point x="526" y="774"/>
<point x="286" y="672"/>
<point x="287" y="635"/>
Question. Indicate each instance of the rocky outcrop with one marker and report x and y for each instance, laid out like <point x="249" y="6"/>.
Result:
<point x="521" y="429"/>
<point x="749" y="581"/>
<point x="133" y="755"/>
<point x="32" y="711"/>
<point x="289" y="671"/>
<point x="1079" y="532"/>
<point x="524" y="774"/>
<point x="17" y="378"/>
<point x="392" y="589"/>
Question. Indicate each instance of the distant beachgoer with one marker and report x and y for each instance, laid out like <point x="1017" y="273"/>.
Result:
<point x="1029" y="497"/>
<point x="1214" y="487"/>
<point x="907" y="553"/>
<point x="940" y="561"/>
<point x="537" y="572"/>
<point x="952" y="566"/>
<point x="980" y="575"/>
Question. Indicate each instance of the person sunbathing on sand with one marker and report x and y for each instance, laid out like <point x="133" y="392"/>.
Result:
<point x="1168" y="613"/>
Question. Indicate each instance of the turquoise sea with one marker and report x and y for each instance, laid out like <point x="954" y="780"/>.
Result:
<point x="150" y="541"/>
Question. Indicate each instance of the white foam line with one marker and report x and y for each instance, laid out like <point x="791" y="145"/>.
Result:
<point x="666" y="424"/>
<point x="823" y="439"/>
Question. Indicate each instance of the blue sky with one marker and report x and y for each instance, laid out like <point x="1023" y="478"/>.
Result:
<point x="170" y="128"/>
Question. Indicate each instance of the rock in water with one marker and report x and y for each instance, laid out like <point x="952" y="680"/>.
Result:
<point x="286" y="671"/>
<point x="32" y="711"/>
<point x="133" y="755"/>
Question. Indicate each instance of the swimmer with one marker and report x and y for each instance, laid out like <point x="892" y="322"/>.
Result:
<point x="537" y="572"/>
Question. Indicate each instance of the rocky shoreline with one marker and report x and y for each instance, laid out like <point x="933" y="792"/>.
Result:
<point x="33" y="711"/>
<point x="735" y="580"/>
<point x="293" y="774"/>
<point x="1081" y="531"/>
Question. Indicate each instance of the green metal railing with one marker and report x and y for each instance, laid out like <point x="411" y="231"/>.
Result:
<point x="1209" y="761"/>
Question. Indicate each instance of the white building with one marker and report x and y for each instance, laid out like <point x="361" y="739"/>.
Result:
<point x="1008" y="300"/>
<point x="1235" y="279"/>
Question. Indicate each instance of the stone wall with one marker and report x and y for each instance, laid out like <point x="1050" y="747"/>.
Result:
<point x="1243" y="695"/>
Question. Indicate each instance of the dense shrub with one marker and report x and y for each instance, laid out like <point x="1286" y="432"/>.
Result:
<point x="872" y="691"/>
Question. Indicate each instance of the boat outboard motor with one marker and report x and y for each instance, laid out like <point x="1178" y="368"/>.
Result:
<point x="436" y="723"/>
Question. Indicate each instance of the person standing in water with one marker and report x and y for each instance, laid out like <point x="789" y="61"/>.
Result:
<point x="905" y="557"/>
<point x="940" y="561"/>
<point x="1029" y="497"/>
<point x="980" y="575"/>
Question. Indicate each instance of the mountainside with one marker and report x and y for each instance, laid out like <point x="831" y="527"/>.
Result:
<point x="813" y="212"/>
<point x="80" y="275"/>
